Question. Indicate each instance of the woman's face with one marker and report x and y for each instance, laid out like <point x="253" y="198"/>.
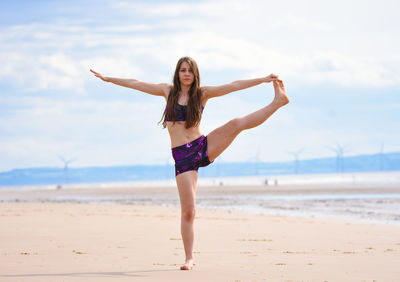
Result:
<point x="186" y="76"/>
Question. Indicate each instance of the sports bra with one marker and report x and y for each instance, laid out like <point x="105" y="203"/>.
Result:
<point x="181" y="112"/>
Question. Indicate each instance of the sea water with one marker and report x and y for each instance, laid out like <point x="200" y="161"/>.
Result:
<point x="382" y="208"/>
<point x="372" y="197"/>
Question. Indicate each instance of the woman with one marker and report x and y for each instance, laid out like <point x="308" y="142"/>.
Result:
<point x="190" y="149"/>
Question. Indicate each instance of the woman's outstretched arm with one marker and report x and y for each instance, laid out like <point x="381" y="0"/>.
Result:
<point x="216" y="91"/>
<point x="161" y="89"/>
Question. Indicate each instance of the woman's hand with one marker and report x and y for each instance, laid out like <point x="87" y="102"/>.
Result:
<point x="99" y="76"/>
<point x="161" y="89"/>
<point x="271" y="77"/>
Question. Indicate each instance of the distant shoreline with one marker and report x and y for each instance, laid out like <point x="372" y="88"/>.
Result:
<point x="165" y="172"/>
<point x="308" y="181"/>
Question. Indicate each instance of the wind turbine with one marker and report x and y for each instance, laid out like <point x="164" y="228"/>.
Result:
<point x="339" y="150"/>
<point x="66" y="163"/>
<point x="296" y="159"/>
<point x="256" y="159"/>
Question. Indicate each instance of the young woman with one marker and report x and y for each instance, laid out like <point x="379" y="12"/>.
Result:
<point x="190" y="149"/>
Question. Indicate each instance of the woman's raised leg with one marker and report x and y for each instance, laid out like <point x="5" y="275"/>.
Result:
<point x="187" y="183"/>
<point x="219" y="139"/>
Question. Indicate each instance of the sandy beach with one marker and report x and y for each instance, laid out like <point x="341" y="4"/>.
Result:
<point x="115" y="242"/>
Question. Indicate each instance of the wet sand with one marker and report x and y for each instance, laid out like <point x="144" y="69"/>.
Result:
<point x="104" y="242"/>
<point x="357" y="202"/>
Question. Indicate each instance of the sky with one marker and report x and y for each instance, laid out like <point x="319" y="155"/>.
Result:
<point x="339" y="61"/>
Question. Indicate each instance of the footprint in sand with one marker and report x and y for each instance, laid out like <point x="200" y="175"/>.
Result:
<point x="250" y="254"/>
<point x="27" y="254"/>
<point x="79" y="253"/>
<point x="290" y="252"/>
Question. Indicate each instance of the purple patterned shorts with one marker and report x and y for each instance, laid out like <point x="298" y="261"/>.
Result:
<point x="191" y="156"/>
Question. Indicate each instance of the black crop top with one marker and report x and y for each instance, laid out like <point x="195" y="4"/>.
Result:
<point x="181" y="111"/>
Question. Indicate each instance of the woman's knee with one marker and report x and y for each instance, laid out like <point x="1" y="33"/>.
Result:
<point x="188" y="214"/>
<point x="236" y="125"/>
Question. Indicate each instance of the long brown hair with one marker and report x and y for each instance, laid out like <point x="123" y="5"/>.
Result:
<point x="193" y="109"/>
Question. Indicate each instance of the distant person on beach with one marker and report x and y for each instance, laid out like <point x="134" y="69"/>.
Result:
<point x="185" y="101"/>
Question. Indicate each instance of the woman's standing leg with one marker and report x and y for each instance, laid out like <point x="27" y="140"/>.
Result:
<point x="219" y="139"/>
<point x="187" y="183"/>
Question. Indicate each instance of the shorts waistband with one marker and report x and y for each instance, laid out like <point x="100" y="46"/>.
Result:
<point x="189" y="143"/>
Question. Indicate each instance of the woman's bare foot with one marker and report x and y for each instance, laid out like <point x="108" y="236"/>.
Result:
<point x="280" y="98"/>
<point x="188" y="265"/>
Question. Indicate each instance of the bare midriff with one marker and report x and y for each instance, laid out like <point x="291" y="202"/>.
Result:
<point x="180" y="135"/>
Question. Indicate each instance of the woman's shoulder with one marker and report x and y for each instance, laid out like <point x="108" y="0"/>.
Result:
<point x="203" y="91"/>
<point x="166" y="89"/>
<point x="166" y="86"/>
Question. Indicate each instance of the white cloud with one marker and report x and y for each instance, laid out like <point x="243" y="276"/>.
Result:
<point x="281" y="37"/>
<point x="43" y="72"/>
<point x="298" y="23"/>
<point x="96" y="132"/>
<point x="306" y="43"/>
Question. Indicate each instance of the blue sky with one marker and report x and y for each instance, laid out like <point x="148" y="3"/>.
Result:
<point x="339" y="61"/>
